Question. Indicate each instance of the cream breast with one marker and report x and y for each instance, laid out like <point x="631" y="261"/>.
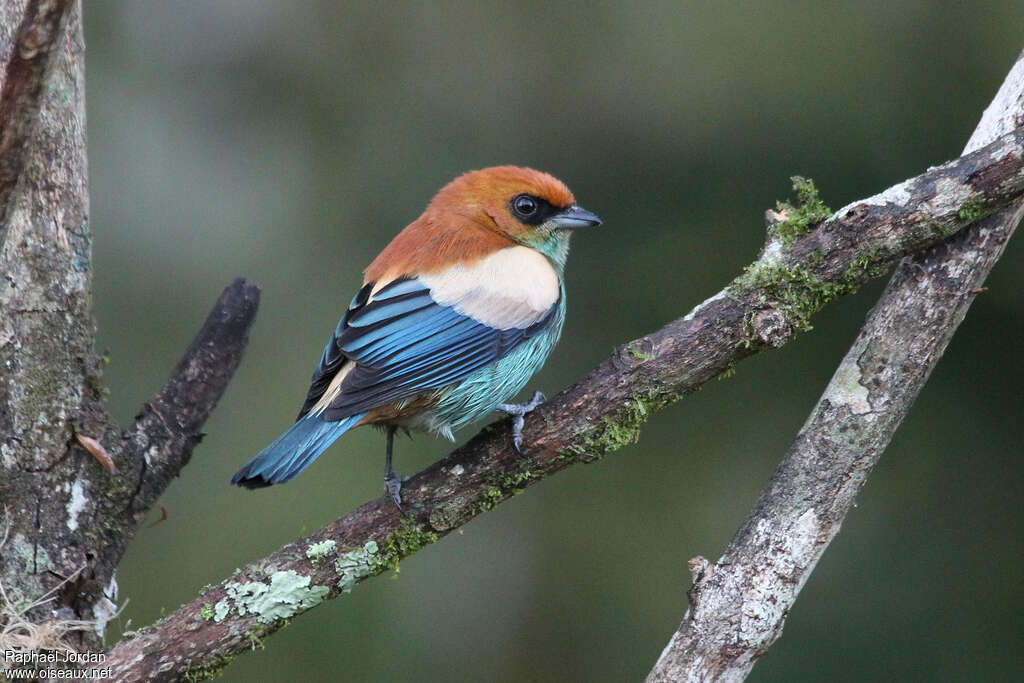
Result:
<point x="511" y="288"/>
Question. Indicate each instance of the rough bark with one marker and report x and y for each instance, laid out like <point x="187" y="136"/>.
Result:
<point x="48" y="372"/>
<point x="37" y="30"/>
<point x="72" y="489"/>
<point x="738" y="605"/>
<point x="800" y="270"/>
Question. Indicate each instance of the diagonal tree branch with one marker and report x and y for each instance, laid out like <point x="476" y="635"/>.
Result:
<point x="807" y="261"/>
<point x="738" y="605"/>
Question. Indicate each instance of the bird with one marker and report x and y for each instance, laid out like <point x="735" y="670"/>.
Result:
<point x="454" y="317"/>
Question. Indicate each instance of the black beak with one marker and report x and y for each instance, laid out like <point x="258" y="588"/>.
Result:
<point x="575" y="217"/>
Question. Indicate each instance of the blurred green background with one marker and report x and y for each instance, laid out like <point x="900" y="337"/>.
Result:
<point x="288" y="142"/>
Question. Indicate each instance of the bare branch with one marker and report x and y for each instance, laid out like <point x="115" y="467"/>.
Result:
<point x="738" y="605"/>
<point x="168" y="427"/>
<point x="795" y="276"/>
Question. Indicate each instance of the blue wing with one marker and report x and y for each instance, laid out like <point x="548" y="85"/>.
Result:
<point x="403" y="345"/>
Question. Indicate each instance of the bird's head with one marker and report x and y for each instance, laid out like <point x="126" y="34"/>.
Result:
<point x="481" y="212"/>
<point x="526" y="206"/>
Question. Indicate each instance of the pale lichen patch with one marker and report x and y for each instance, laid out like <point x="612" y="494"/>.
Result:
<point x="845" y="389"/>
<point x="772" y="254"/>
<point x="221" y="610"/>
<point x="287" y="594"/>
<point x="803" y="537"/>
<point x="767" y="598"/>
<point x="318" y="551"/>
<point x="356" y="564"/>
<point x="105" y="608"/>
<point x="1007" y="148"/>
<point x="76" y="503"/>
<point x="8" y="455"/>
<point x="949" y="195"/>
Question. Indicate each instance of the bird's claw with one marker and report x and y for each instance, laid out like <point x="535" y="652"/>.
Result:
<point x="394" y="486"/>
<point x="518" y="411"/>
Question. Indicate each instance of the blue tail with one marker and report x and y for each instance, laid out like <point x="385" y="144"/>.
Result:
<point x="292" y="452"/>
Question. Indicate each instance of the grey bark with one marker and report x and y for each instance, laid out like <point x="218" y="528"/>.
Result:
<point x="738" y="605"/>
<point x="65" y="516"/>
<point x="48" y="371"/>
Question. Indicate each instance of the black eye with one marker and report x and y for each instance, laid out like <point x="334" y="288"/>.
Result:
<point x="524" y="205"/>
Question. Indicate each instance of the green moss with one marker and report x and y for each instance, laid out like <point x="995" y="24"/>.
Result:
<point x="613" y="435"/>
<point x="621" y="430"/>
<point x="501" y="487"/>
<point x="973" y="209"/>
<point x="866" y="266"/>
<point x="635" y="351"/>
<point x="728" y="372"/>
<point x="798" y="293"/>
<point x="254" y="635"/>
<point x="815" y="259"/>
<point x="444" y="517"/>
<point x="212" y="667"/>
<point x="514" y="482"/>
<point x="490" y="497"/>
<point x="206" y="611"/>
<point x="805" y="216"/>
<point x="410" y="537"/>
<point x="794" y="290"/>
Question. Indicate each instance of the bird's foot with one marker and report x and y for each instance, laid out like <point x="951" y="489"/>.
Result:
<point x="518" y="411"/>
<point x="394" y="486"/>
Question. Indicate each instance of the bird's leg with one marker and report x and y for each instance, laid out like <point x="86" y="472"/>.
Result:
<point x="391" y="481"/>
<point x="518" y="411"/>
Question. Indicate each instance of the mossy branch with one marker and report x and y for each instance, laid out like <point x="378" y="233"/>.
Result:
<point x="738" y="604"/>
<point x="794" y="277"/>
<point x="788" y="221"/>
